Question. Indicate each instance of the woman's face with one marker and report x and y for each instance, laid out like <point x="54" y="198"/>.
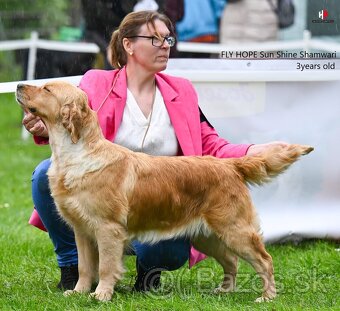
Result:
<point x="149" y="57"/>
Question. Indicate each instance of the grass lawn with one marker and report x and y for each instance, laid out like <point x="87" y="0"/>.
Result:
<point x="307" y="274"/>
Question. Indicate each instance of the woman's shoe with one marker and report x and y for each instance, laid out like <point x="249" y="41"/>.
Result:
<point x="68" y="277"/>
<point x="147" y="280"/>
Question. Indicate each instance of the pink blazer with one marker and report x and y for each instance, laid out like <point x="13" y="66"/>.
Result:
<point x="106" y="91"/>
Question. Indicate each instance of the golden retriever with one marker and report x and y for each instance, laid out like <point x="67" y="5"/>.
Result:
<point x="110" y="195"/>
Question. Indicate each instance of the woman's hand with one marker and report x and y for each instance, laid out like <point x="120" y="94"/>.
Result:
<point x="34" y="125"/>
<point x="255" y="150"/>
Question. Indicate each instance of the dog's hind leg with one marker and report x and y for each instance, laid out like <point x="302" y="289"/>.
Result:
<point x="213" y="246"/>
<point x="87" y="262"/>
<point x="243" y="239"/>
<point x="111" y="238"/>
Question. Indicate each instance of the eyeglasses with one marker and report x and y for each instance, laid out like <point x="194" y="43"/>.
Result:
<point x="157" y="41"/>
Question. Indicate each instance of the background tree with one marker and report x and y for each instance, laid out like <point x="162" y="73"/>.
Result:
<point x="18" y="18"/>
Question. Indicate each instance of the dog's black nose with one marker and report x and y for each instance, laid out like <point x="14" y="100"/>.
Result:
<point x="20" y="86"/>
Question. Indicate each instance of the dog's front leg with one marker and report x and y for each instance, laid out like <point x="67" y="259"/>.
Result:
<point x="110" y="239"/>
<point x="87" y="263"/>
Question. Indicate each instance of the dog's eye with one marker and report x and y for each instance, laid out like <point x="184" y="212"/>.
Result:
<point x="46" y="89"/>
<point x="32" y="110"/>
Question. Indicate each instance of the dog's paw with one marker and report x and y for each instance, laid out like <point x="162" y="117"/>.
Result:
<point x="70" y="292"/>
<point x="102" y="295"/>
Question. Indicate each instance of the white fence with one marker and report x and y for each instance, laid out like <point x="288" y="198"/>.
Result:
<point x="306" y="44"/>
<point x="35" y="43"/>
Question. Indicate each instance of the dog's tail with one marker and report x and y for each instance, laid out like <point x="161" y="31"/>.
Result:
<point x="260" y="169"/>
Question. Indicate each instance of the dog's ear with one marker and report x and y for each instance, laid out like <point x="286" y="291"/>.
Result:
<point x="71" y="120"/>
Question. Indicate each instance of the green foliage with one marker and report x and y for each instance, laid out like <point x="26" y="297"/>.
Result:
<point x="307" y="275"/>
<point x="19" y="17"/>
<point x="9" y="69"/>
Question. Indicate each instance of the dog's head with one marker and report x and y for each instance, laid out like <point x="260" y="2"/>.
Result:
<point x="55" y="102"/>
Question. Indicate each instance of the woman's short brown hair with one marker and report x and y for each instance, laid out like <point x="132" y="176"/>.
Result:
<point x="129" y="27"/>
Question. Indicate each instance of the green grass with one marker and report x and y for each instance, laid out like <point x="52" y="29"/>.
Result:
<point x="307" y="274"/>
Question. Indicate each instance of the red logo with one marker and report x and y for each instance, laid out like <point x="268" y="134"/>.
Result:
<point x="323" y="14"/>
<point x="323" y="18"/>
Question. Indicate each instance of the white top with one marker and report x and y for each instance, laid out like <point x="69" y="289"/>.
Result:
<point x="160" y="138"/>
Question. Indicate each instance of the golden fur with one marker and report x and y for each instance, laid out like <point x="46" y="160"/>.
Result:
<point x="109" y="194"/>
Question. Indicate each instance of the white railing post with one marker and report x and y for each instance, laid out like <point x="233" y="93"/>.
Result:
<point x="32" y="56"/>
<point x="24" y="133"/>
<point x="306" y="40"/>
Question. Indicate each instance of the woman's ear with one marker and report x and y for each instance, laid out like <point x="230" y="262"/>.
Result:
<point x="127" y="44"/>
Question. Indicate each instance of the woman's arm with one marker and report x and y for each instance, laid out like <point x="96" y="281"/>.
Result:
<point x="213" y="144"/>
<point x="216" y="146"/>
